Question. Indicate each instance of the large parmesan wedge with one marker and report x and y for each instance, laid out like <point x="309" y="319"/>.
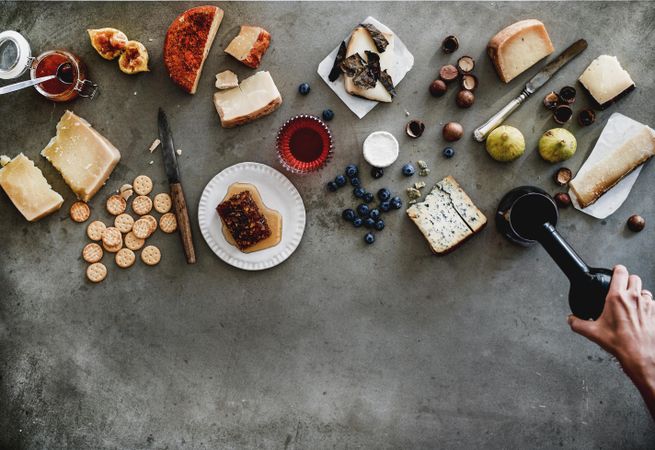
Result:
<point x="255" y="97"/>
<point x="518" y="47"/>
<point x="361" y="41"/>
<point x="83" y="156"/>
<point x="28" y="189"/>
<point x="602" y="176"/>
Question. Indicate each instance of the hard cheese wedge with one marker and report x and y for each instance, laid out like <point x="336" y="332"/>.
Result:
<point x="250" y="45"/>
<point x="606" y="81"/>
<point x="83" y="156"/>
<point x="447" y="217"/>
<point x="360" y="42"/>
<point x="255" y="97"/>
<point x="28" y="189"/>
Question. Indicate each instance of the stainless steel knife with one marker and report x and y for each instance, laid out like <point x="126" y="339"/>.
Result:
<point x="177" y="194"/>
<point x="480" y="133"/>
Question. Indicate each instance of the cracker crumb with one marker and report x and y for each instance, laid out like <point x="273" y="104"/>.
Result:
<point x="154" y="145"/>
<point x="134" y="92"/>
<point x="151" y="163"/>
<point x="178" y="151"/>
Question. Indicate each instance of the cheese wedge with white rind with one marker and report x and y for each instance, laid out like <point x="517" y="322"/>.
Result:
<point x="28" y="189"/>
<point x="361" y="41"/>
<point x="605" y="80"/>
<point x="83" y="156"/>
<point x="256" y="96"/>
<point x="518" y="47"/>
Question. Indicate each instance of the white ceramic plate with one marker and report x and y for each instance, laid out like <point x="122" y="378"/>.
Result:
<point x="277" y="193"/>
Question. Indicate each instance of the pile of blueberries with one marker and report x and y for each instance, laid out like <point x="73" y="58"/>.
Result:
<point x="369" y="217"/>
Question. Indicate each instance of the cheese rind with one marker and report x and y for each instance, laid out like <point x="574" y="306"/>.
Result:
<point x="606" y="81"/>
<point x="249" y="45"/>
<point x="360" y="42"/>
<point x="28" y="189"/>
<point x="518" y="47"/>
<point x="83" y="156"/>
<point x="255" y="97"/>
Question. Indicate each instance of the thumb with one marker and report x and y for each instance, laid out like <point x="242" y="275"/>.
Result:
<point x="584" y="328"/>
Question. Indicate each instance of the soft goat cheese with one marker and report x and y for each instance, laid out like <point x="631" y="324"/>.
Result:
<point x="380" y="149"/>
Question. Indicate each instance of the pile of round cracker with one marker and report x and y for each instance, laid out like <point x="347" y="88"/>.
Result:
<point x="129" y="232"/>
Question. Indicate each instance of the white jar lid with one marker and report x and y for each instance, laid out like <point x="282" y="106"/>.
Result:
<point x="15" y="55"/>
<point x="380" y="149"/>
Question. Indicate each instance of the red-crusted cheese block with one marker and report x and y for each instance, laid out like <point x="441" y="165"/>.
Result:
<point x="187" y="44"/>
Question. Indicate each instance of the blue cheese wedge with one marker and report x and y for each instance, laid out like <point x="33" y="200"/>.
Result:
<point x="447" y="217"/>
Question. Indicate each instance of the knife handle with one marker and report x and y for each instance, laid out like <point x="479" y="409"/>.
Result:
<point x="480" y="133"/>
<point x="183" y="223"/>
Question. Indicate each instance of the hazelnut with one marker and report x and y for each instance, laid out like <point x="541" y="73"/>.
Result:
<point x="450" y="44"/>
<point x="562" y="114"/>
<point x="562" y="199"/>
<point x="465" y="98"/>
<point x="636" y="223"/>
<point x="562" y="176"/>
<point x="414" y="128"/>
<point x="452" y="131"/>
<point x="448" y="73"/>
<point x="586" y="117"/>
<point x="134" y="58"/>
<point x="438" y="88"/>
<point x="567" y="95"/>
<point x="469" y="82"/>
<point x="551" y="100"/>
<point x="465" y="64"/>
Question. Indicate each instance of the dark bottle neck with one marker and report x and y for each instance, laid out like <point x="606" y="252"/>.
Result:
<point x="566" y="258"/>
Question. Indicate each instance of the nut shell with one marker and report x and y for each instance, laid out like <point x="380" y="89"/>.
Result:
<point x="562" y="176"/>
<point x="452" y="131"/>
<point x="586" y="117"/>
<point x="448" y="73"/>
<point x="414" y="128"/>
<point x="469" y="82"/>
<point x="562" y="114"/>
<point x="438" y="88"/>
<point x="567" y="95"/>
<point x="465" y="99"/>
<point x="466" y="64"/>
<point x="551" y="100"/>
<point x="636" y="223"/>
<point x="134" y="58"/>
<point x="450" y="44"/>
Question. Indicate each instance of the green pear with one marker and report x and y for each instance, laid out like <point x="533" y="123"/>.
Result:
<point x="505" y="143"/>
<point x="557" y="145"/>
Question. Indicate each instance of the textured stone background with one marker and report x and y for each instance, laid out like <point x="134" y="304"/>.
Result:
<point x="341" y="346"/>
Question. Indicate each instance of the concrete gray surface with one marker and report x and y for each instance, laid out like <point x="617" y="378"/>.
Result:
<point x="341" y="346"/>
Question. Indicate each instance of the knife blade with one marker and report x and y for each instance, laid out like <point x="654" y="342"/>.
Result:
<point x="174" y="180"/>
<point x="480" y="133"/>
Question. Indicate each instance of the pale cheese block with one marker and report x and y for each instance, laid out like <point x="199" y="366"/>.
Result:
<point x="607" y="172"/>
<point x="447" y="217"/>
<point x="249" y="45"/>
<point x="361" y="41"/>
<point x="255" y="97"/>
<point x="605" y="80"/>
<point x="28" y="189"/>
<point x="226" y="80"/>
<point x="83" y="156"/>
<point x="518" y="47"/>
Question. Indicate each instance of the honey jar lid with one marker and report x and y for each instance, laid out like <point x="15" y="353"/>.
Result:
<point x="15" y="55"/>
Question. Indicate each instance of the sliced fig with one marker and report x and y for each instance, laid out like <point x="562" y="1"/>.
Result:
<point x="134" y="58"/>
<point x="108" y="42"/>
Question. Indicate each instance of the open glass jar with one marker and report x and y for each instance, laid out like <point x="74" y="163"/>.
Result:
<point x="16" y="59"/>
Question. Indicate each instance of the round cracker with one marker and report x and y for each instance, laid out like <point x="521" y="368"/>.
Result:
<point x="124" y="222"/>
<point x="141" y="205"/>
<point x="141" y="229"/>
<point x="96" y="272"/>
<point x="168" y="223"/>
<point x="95" y="229"/>
<point x="112" y="249"/>
<point x="152" y="222"/>
<point x="132" y="242"/>
<point x="142" y="185"/>
<point x="116" y="205"/>
<point x="80" y="212"/>
<point x="151" y="255"/>
<point x="125" y="258"/>
<point x="112" y="237"/>
<point x="163" y="203"/>
<point x="92" y="253"/>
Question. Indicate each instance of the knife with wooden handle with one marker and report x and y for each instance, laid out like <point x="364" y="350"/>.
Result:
<point x="177" y="193"/>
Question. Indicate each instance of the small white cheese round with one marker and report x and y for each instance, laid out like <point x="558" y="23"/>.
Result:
<point x="380" y="149"/>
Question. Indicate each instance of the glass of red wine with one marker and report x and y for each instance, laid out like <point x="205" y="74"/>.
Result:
<point x="304" y="144"/>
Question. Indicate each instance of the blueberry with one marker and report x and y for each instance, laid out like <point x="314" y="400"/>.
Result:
<point x="355" y="181"/>
<point x="357" y="222"/>
<point x="332" y="186"/>
<point x="351" y="170"/>
<point x="369" y="238"/>
<point x="328" y="114"/>
<point x="396" y="203"/>
<point x="368" y="197"/>
<point x="304" y="88"/>
<point x="374" y="214"/>
<point x="340" y="180"/>
<point x="369" y="223"/>
<point x="379" y="225"/>
<point x="384" y="194"/>
<point x="363" y="210"/>
<point x="376" y="172"/>
<point x="448" y="152"/>
<point x="357" y="192"/>
<point x="408" y="170"/>
<point x="348" y="214"/>
<point x="385" y="206"/>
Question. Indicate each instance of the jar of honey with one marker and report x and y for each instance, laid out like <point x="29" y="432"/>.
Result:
<point x="71" y="80"/>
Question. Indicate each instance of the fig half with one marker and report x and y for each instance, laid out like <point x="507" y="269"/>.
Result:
<point x="134" y="58"/>
<point x="108" y="42"/>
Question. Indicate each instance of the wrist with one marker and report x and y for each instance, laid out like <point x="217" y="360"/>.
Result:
<point x="642" y="372"/>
